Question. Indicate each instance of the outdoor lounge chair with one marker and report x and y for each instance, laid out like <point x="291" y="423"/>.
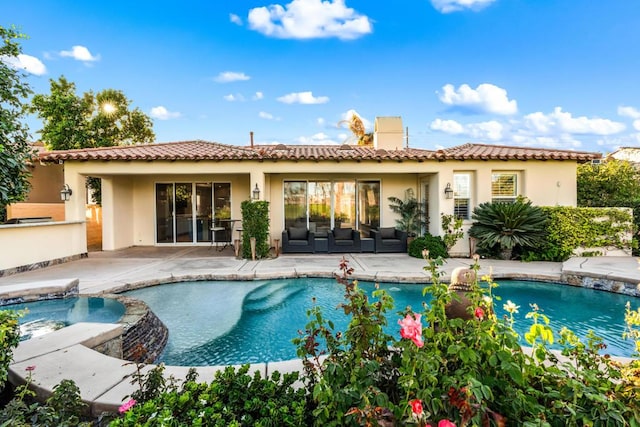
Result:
<point x="298" y="239"/>
<point x="389" y="239"/>
<point x="344" y="240"/>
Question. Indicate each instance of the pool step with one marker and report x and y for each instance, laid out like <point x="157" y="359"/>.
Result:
<point x="269" y="296"/>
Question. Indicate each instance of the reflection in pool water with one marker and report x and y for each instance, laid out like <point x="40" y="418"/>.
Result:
<point x="264" y="316"/>
<point x="46" y="316"/>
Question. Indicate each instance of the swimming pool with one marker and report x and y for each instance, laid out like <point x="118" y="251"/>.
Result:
<point x="231" y="322"/>
<point x="48" y="315"/>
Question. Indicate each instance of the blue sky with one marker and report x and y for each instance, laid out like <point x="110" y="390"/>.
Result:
<point x="544" y="73"/>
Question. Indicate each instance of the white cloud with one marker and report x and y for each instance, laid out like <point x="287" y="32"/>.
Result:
<point x="161" y="113"/>
<point x="29" y="63"/>
<point x="230" y="76"/>
<point x="491" y="130"/>
<point x="303" y="98"/>
<point x="563" y="122"/>
<point x="231" y="97"/>
<point x="258" y="95"/>
<point x="448" y="6"/>
<point x="486" y="98"/>
<point x="318" y="138"/>
<point x="80" y="53"/>
<point x="321" y="121"/>
<point x="450" y="127"/>
<point x="267" y="116"/>
<point x="308" y="19"/>
<point x="632" y="113"/>
<point x="235" y="19"/>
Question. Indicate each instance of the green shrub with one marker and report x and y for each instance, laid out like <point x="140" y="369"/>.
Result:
<point x="507" y="226"/>
<point x="570" y="228"/>
<point x="255" y="223"/>
<point x="233" y="398"/>
<point x="434" y="244"/>
<point x="9" y="339"/>
<point x="469" y="372"/>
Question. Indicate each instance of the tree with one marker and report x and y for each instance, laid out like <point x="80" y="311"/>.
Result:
<point x="101" y="120"/>
<point x="356" y="126"/>
<point x="15" y="150"/>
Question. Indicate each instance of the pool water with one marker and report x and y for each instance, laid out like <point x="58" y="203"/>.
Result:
<point x="266" y="315"/>
<point x="46" y="316"/>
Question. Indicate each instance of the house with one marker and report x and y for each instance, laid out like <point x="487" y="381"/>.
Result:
<point x="172" y="193"/>
<point x="630" y="154"/>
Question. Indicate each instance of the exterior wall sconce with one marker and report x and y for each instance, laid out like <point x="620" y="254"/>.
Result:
<point x="255" y="194"/>
<point x="65" y="193"/>
<point x="448" y="191"/>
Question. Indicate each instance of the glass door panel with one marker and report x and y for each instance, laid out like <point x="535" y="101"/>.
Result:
<point x="368" y="206"/>
<point x="345" y="204"/>
<point x="320" y="207"/>
<point x="295" y="204"/>
<point x="184" y="212"/>
<point x="164" y="213"/>
<point x="203" y="211"/>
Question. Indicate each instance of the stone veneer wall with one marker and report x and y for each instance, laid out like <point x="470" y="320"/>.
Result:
<point x="43" y="264"/>
<point x="144" y="336"/>
<point x="602" y="284"/>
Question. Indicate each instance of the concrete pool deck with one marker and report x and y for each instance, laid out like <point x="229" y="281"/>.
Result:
<point x="105" y="381"/>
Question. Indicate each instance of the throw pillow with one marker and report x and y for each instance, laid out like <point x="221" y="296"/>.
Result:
<point x="297" y="233"/>
<point x="387" y="232"/>
<point x="342" y="233"/>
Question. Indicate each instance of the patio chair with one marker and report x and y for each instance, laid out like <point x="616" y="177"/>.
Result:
<point x="343" y="240"/>
<point x="298" y="239"/>
<point x="389" y="239"/>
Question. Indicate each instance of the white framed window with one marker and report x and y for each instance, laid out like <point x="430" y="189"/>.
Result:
<point x="504" y="187"/>
<point x="462" y="195"/>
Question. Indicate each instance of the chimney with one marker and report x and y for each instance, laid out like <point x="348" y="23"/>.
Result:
<point x="251" y="138"/>
<point x="388" y="133"/>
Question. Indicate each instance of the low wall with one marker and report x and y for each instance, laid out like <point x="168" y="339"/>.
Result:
<point x="29" y="246"/>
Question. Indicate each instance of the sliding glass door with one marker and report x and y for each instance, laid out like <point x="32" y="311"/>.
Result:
<point x="186" y="211"/>
<point x="322" y="205"/>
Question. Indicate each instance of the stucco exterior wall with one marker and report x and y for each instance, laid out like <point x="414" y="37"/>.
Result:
<point x="129" y="200"/>
<point x="64" y="240"/>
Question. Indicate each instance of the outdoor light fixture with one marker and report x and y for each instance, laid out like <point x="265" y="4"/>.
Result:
<point x="256" y="193"/>
<point x="448" y="191"/>
<point x="65" y="193"/>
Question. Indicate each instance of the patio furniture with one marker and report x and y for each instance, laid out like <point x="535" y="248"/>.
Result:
<point x="343" y="240"/>
<point x="298" y="239"/>
<point x="389" y="239"/>
<point x="222" y="232"/>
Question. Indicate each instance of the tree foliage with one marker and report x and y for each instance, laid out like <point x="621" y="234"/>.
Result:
<point x="410" y="211"/>
<point x="15" y="150"/>
<point x="104" y="119"/>
<point x="614" y="183"/>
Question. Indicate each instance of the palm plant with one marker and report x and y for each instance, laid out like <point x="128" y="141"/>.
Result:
<point x="410" y="211"/>
<point x="508" y="225"/>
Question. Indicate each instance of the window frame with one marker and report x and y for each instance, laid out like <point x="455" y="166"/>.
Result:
<point x="502" y="198"/>
<point x="457" y="197"/>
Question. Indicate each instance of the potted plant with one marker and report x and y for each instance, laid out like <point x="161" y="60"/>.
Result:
<point x="411" y="213"/>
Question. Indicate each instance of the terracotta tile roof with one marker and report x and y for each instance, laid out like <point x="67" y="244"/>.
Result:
<point x="183" y="150"/>
<point x="503" y="152"/>
<point x="203" y="150"/>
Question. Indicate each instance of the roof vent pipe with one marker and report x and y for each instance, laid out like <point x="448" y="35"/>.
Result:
<point x="251" y="138"/>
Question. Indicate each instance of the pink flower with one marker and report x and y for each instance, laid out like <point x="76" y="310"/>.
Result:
<point x="30" y="368"/>
<point x="446" y="423"/>
<point x="411" y="328"/>
<point x="416" y="407"/>
<point x="479" y="313"/>
<point x="126" y="406"/>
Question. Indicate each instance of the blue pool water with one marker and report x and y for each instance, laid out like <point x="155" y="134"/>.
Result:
<point x="49" y="315"/>
<point x="230" y="322"/>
